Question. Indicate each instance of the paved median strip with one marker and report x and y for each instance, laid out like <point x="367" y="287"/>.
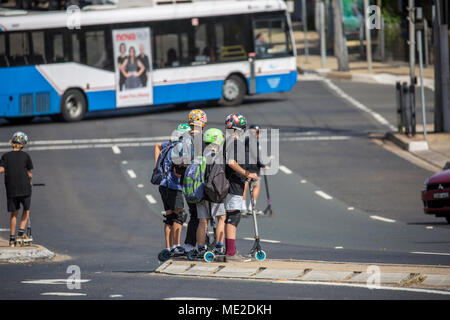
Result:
<point x="397" y="277"/>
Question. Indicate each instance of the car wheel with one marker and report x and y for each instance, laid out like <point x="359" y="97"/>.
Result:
<point x="233" y="91"/>
<point x="73" y="105"/>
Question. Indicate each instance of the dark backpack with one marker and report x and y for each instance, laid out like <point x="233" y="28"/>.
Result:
<point x="158" y="172"/>
<point x="216" y="184"/>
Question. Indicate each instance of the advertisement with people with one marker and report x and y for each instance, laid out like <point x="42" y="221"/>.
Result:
<point x="132" y="61"/>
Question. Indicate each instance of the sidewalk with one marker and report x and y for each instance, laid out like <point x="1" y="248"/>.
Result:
<point x="436" y="151"/>
<point x="25" y="254"/>
<point x="298" y="271"/>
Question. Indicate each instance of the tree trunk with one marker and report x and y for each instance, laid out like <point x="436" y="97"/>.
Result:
<point x="340" y="41"/>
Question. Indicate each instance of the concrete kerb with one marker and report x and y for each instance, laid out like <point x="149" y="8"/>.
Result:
<point x="26" y="254"/>
<point x="410" y="276"/>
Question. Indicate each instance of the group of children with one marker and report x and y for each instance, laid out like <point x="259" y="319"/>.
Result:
<point x="214" y="145"/>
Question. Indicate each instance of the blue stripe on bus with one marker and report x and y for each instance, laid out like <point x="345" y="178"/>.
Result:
<point x="28" y="80"/>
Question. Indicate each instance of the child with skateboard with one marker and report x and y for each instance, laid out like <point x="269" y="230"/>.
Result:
<point x="17" y="166"/>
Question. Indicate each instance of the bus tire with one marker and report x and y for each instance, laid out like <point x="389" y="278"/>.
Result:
<point x="233" y="91"/>
<point x="73" y="105"/>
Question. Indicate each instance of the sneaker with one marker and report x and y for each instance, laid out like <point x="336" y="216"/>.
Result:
<point x="237" y="258"/>
<point x="12" y="243"/>
<point x="260" y="212"/>
<point x="178" y="251"/>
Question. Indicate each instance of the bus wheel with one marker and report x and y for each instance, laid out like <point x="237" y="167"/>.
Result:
<point x="233" y="91"/>
<point x="73" y="105"/>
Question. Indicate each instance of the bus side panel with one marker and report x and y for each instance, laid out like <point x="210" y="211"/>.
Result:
<point x="101" y="100"/>
<point x="275" y="82"/>
<point x="208" y="90"/>
<point x="26" y="92"/>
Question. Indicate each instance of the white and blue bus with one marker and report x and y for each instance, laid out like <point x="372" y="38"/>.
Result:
<point x="66" y="64"/>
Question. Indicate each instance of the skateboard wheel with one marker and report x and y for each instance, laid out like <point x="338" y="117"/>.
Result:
<point x="164" y="255"/>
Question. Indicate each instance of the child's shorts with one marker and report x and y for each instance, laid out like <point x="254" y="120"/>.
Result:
<point x="233" y="202"/>
<point x="204" y="212"/>
<point x="14" y="203"/>
<point x="172" y="199"/>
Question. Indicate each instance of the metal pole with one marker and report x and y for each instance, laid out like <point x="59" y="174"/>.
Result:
<point x="425" y="42"/>
<point x="412" y="44"/>
<point x="422" y="91"/>
<point x="368" y="39"/>
<point x="322" y="33"/>
<point x="305" y="29"/>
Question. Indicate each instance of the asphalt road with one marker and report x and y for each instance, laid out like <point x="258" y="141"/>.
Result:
<point x="336" y="199"/>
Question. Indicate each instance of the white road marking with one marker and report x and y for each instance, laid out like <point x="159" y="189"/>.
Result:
<point x="358" y="104"/>
<point x="150" y="199"/>
<point x="140" y="185"/>
<point x="116" y="296"/>
<point x="339" y="248"/>
<point x="124" y="162"/>
<point x="430" y="228"/>
<point x="432" y="253"/>
<point x="131" y="173"/>
<point x="285" y="170"/>
<point x="64" y="294"/>
<point x="189" y="298"/>
<point x="350" y="208"/>
<point x="319" y="138"/>
<point x="323" y="195"/>
<point x="55" y="281"/>
<point x="303" y="181"/>
<point x="336" y="284"/>
<point x="4" y="229"/>
<point x="382" y="219"/>
<point x="263" y="240"/>
<point x="116" y="149"/>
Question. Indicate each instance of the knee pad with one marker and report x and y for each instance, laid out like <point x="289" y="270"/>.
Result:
<point x="233" y="218"/>
<point x="169" y="219"/>
<point x="180" y="217"/>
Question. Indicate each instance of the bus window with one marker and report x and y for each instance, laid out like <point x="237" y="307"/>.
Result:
<point x="271" y="37"/>
<point x="96" y="53"/>
<point x="76" y="47"/>
<point x="55" y="47"/>
<point x="231" y="39"/>
<point x="3" y="58"/>
<point x="38" y="46"/>
<point x="19" y="49"/>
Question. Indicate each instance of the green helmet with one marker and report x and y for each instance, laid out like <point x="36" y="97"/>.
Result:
<point x="184" y="127"/>
<point x="213" y="135"/>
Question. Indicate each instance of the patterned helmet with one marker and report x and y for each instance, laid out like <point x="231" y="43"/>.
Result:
<point x="197" y="117"/>
<point x="19" y="138"/>
<point x="236" y="121"/>
<point x="214" y="135"/>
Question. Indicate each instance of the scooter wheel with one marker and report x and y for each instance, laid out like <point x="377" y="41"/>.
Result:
<point x="209" y="256"/>
<point x="191" y="255"/>
<point x="164" y="256"/>
<point x="260" y="255"/>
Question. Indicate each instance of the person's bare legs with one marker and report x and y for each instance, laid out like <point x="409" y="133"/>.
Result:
<point x="24" y="219"/>
<point x="201" y="231"/>
<point x="13" y="223"/>
<point x="220" y="229"/>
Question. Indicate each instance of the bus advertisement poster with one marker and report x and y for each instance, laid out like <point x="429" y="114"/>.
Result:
<point x="132" y="54"/>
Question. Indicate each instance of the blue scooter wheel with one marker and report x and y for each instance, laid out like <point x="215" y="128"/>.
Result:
<point x="260" y="255"/>
<point x="164" y="255"/>
<point x="209" y="256"/>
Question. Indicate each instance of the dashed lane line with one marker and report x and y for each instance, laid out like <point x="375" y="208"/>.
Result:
<point x="382" y="219"/>
<point x="116" y="149"/>
<point x="432" y="253"/>
<point x="150" y="198"/>
<point x="323" y="195"/>
<point x="64" y="294"/>
<point x="132" y="174"/>
<point x="285" y="169"/>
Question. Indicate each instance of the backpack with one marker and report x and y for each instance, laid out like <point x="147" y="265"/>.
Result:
<point x="194" y="180"/>
<point x="158" y="172"/>
<point x="216" y="184"/>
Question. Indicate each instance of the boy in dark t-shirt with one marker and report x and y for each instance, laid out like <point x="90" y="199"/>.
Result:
<point x="17" y="166"/>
